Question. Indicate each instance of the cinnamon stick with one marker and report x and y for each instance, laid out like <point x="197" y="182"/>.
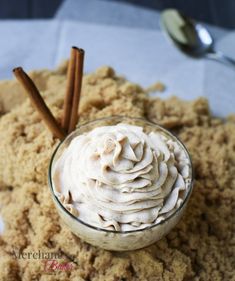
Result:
<point x="77" y="89"/>
<point x="38" y="102"/>
<point x="68" y="100"/>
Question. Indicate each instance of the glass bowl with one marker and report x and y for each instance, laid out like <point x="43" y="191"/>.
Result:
<point x="111" y="239"/>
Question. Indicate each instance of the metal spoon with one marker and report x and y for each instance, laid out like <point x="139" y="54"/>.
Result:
<point x="191" y="37"/>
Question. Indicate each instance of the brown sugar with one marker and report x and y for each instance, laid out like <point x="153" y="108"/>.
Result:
<point x="200" y="247"/>
<point x="157" y="87"/>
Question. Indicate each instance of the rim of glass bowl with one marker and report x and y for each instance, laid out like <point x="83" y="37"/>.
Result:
<point x="108" y="230"/>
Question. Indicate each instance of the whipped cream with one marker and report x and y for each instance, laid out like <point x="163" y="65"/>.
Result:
<point x="121" y="178"/>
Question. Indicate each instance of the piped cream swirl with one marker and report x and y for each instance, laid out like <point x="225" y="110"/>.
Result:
<point x="118" y="177"/>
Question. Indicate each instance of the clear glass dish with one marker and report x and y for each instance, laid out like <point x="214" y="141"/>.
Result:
<point x="111" y="239"/>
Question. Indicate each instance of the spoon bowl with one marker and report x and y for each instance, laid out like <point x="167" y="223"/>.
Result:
<point x="191" y="37"/>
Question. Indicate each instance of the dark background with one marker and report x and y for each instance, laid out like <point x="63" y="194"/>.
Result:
<point x="217" y="12"/>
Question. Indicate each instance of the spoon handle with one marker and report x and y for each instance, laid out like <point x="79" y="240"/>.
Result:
<point x="220" y="57"/>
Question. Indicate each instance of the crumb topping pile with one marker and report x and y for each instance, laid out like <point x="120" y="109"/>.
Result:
<point x="200" y="247"/>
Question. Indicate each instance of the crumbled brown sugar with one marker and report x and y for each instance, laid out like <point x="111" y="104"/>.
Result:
<point x="201" y="247"/>
<point x="157" y="87"/>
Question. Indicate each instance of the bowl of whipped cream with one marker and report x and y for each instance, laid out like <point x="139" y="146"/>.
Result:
<point x="120" y="183"/>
